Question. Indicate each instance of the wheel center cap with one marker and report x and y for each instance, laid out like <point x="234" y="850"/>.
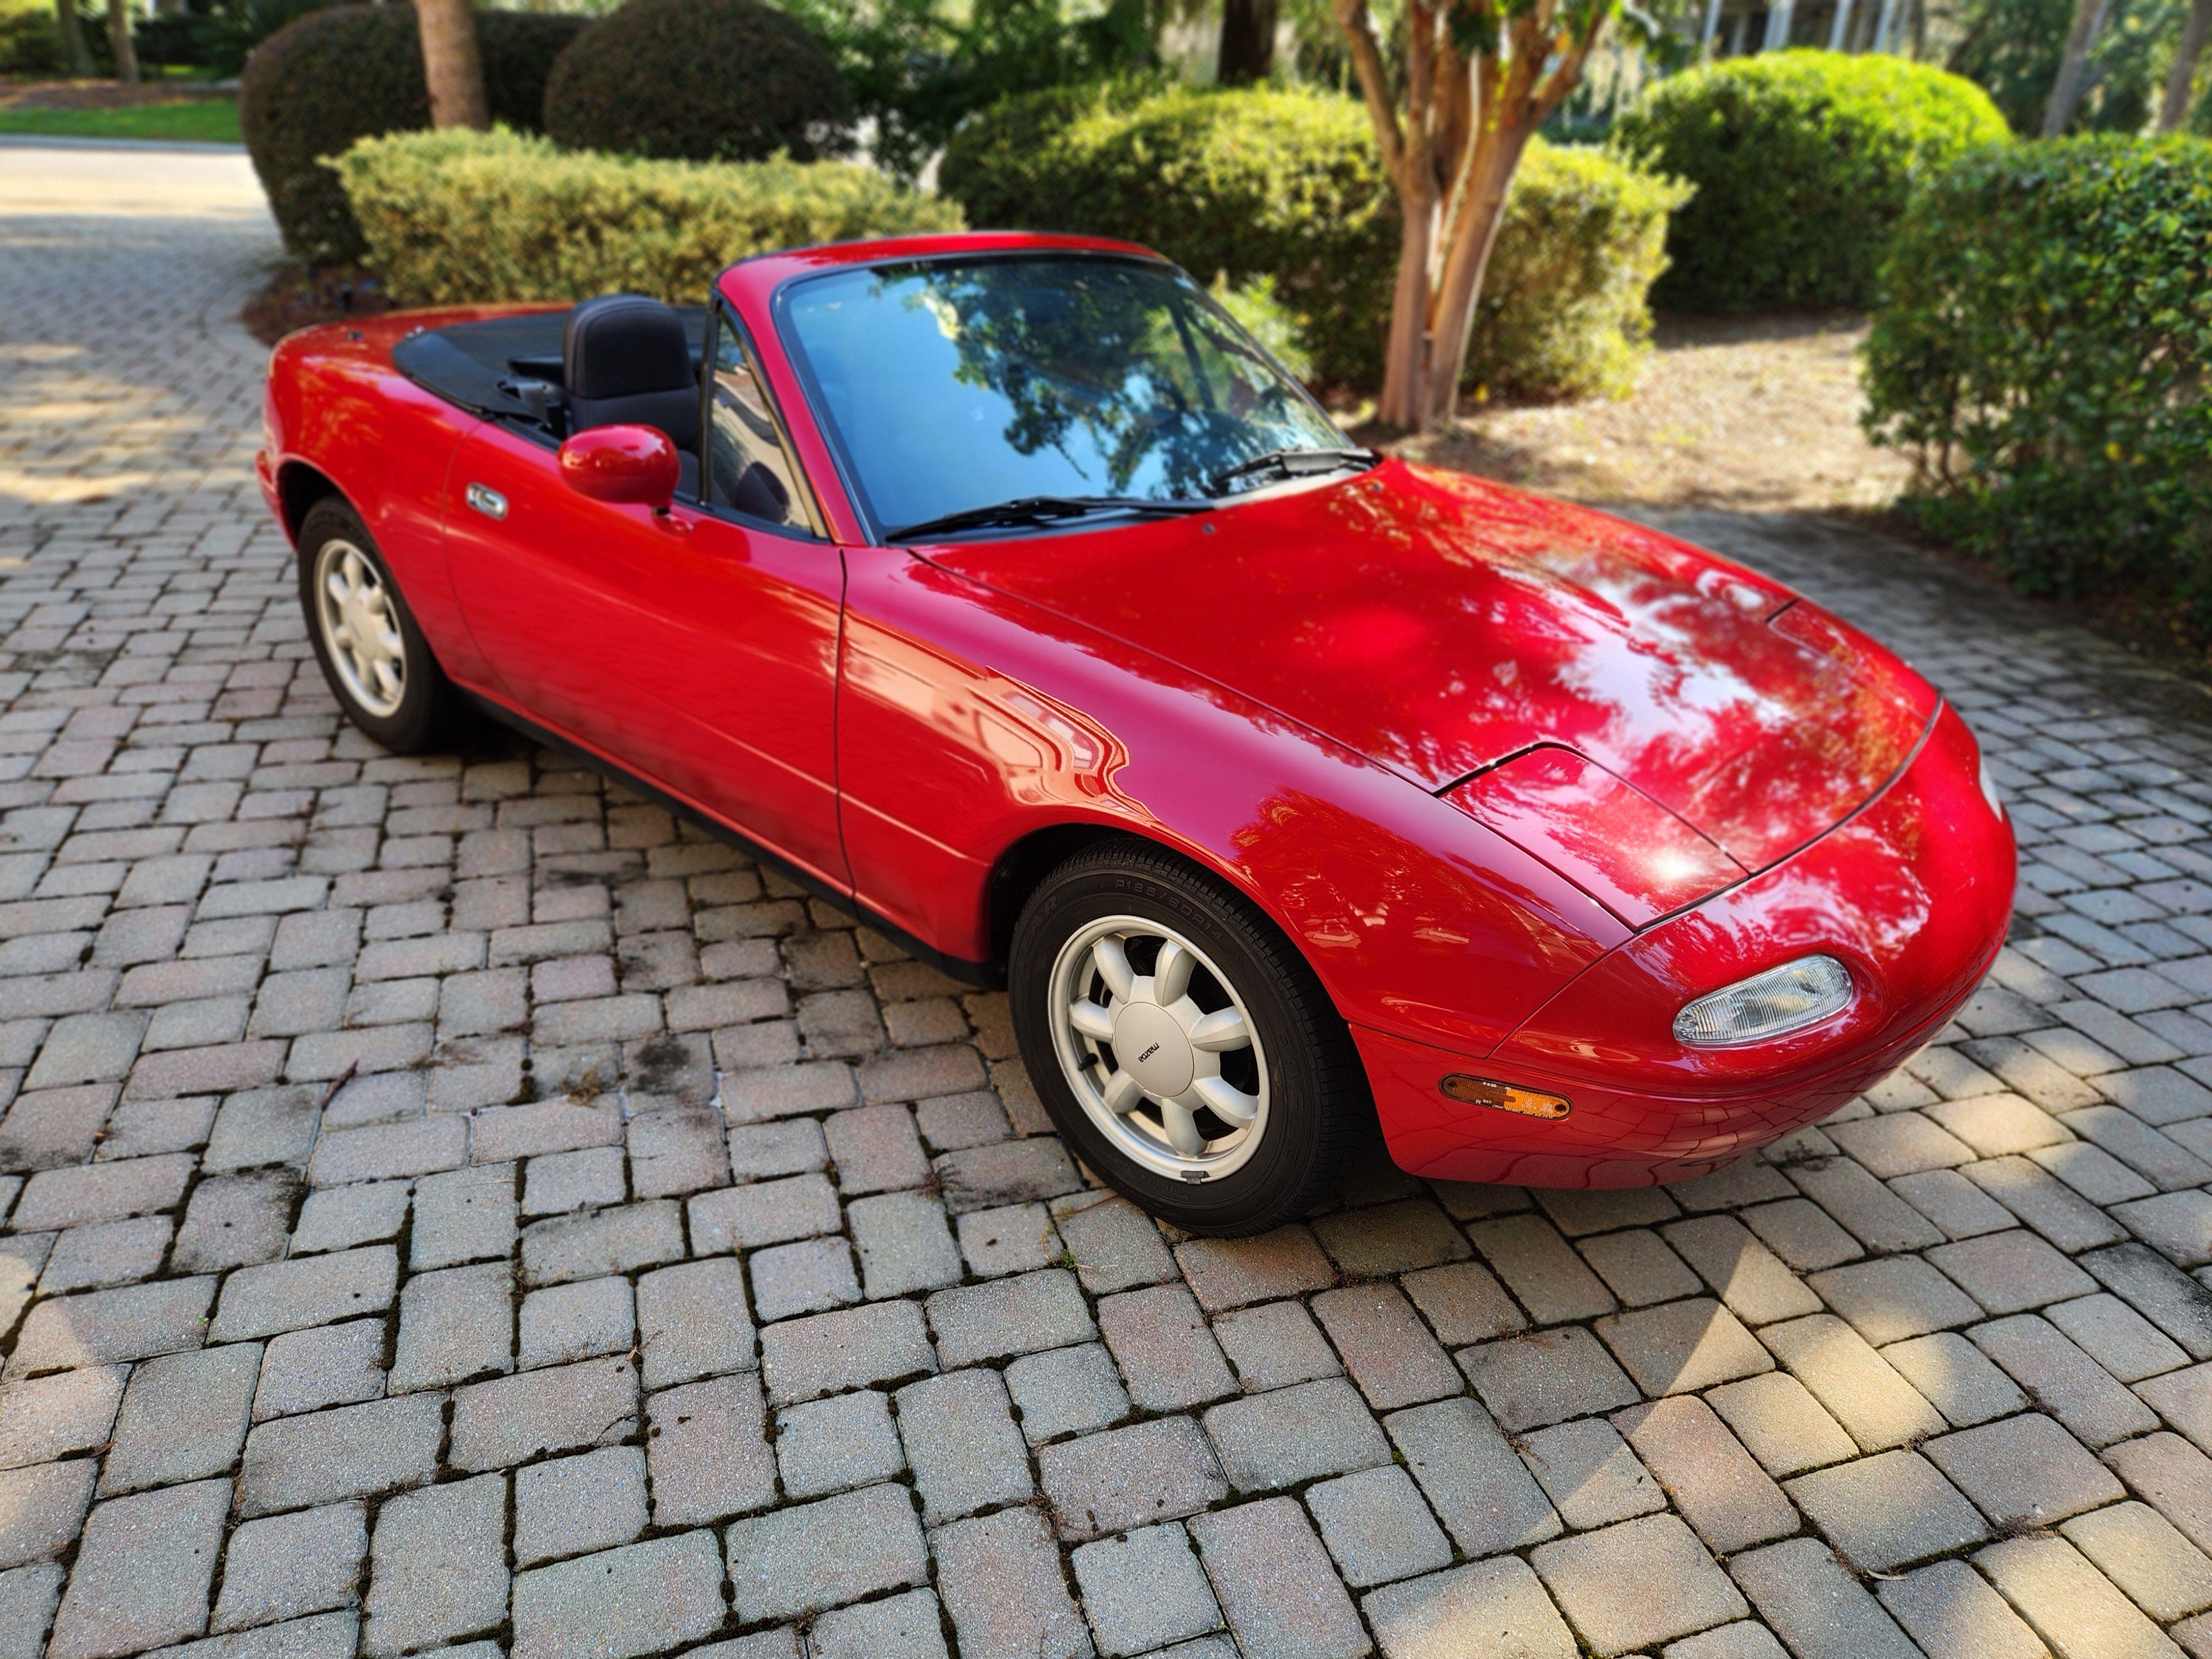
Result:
<point x="1150" y="1044"/>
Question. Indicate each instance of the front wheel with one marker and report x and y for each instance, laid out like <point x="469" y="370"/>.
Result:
<point x="1183" y="1048"/>
<point x="374" y="657"/>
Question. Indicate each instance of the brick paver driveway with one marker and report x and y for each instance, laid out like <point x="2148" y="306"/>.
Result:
<point x="450" y="1203"/>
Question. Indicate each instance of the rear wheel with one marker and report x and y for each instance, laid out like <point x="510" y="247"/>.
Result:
<point x="1183" y="1048"/>
<point x="374" y="657"/>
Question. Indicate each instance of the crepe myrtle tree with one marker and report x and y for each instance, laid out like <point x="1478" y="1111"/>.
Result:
<point x="1455" y="102"/>
<point x="453" y="63"/>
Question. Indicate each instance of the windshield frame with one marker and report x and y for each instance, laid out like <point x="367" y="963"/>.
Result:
<point x="833" y="438"/>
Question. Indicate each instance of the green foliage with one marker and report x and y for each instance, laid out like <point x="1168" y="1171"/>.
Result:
<point x="348" y="72"/>
<point x="459" y="217"/>
<point x="1286" y="185"/>
<point x="1802" y="161"/>
<point x="2045" y="354"/>
<point x="702" y="81"/>
<point x="918" y="67"/>
<point x="1263" y="315"/>
<point x="218" y="38"/>
<point x="1251" y="183"/>
<point x="1565" y="306"/>
<point x="2012" y="47"/>
<point x="30" y="40"/>
<point x="997" y="165"/>
<point x="31" y="43"/>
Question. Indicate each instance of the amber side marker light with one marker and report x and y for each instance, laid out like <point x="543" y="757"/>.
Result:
<point x="1503" y="1096"/>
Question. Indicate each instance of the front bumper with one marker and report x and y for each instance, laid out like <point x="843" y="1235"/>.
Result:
<point x="1913" y="893"/>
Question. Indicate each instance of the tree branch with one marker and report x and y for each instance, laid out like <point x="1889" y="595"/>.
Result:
<point x="1454" y="112"/>
<point x="1358" y="26"/>
<point x="1566" y="75"/>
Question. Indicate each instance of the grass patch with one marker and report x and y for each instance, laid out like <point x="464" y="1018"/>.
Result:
<point x="199" y="120"/>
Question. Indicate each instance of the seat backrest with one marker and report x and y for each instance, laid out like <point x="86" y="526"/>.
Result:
<point x="626" y="361"/>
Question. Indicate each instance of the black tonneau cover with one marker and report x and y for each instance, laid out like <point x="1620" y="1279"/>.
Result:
<point x="466" y="362"/>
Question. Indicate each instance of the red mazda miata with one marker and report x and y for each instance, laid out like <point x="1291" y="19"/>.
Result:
<point x="1003" y="591"/>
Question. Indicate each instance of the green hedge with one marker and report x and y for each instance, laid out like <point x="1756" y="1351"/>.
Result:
<point x="30" y="41"/>
<point x="700" y="81"/>
<point x="1287" y="185"/>
<point x="350" y="72"/>
<point x="2045" y="354"/>
<point x="1802" y="161"/>
<point x="455" y="218"/>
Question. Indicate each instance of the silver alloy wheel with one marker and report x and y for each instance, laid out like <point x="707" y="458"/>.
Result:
<point x="360" y="628"/>
<point x="1159" y="1048"/>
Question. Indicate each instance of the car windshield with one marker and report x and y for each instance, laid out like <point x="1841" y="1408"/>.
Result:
<point x="957" y="384"/>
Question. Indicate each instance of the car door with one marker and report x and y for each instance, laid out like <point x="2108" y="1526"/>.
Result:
<point x="697" y="649"/>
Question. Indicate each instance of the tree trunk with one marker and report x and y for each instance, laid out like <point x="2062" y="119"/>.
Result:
<point x="452" y="65"/>
<point x="2073" y="82"/>
<point x="118" y="36"/>
<point x="1247" y="42"/>
<point x="2178" y="84"/>
<point x="1405" y="400"/>
<point x="74" y="54"/>
<point x="1466" y="261"/>
<point x="1451" y="156"/>
<point x="1432" y="312"/>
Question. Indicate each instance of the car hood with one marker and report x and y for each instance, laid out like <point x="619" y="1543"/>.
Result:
<point x="1439" y="624"/>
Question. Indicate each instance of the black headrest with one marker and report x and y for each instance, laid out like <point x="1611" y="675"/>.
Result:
<point x="621" y="344"/>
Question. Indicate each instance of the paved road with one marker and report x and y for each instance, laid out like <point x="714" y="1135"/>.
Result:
<point x="680" y="1266"/>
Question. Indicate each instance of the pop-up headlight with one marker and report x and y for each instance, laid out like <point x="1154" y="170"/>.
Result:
<point x="1769" y="1005"/>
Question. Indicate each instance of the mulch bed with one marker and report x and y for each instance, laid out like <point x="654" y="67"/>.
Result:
<point x="300" y="296"/>
<point x="1749" y="414"/>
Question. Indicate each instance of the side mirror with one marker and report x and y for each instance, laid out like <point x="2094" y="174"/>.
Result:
<point x="629" y="465"/>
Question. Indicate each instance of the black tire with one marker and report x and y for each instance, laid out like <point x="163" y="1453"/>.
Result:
<point x="1319" y="1111"/>
<point x="428" y="715"/>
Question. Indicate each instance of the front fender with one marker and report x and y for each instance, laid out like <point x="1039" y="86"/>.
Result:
<point x="968" y="719"/>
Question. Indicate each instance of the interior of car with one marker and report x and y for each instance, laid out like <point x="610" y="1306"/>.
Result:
<point x="617" y="359"/>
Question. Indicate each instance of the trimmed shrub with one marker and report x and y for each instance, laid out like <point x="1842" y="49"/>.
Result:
<point x="31" y="43"/>
<point x="350" y="72"/>
<point x="2045" y="352"/>
<point x="702" y="81"/>
<point x="1287" y="185"/>
<point x="220" y="38"/>
<point x="457" y="218"/>
<point x="31" y="39"/>
<point x="996" y="162"/>
<point x="1566" y="304"/>
<point x="1802" y="162"/>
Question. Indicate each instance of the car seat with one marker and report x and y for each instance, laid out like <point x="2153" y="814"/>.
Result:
<point x="626" y="361"/>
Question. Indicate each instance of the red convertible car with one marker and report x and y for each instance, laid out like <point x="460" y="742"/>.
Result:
<point x="1003" y="591"/>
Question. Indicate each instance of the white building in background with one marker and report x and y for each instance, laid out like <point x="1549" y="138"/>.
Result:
<point x="1735" y="29"/>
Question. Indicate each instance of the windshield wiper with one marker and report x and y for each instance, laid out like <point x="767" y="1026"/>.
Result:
<point x="1296" y="464"/>
<point x="1040" y="509"/>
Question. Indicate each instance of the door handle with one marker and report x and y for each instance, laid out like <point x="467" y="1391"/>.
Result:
<point x="487" y="501"/>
